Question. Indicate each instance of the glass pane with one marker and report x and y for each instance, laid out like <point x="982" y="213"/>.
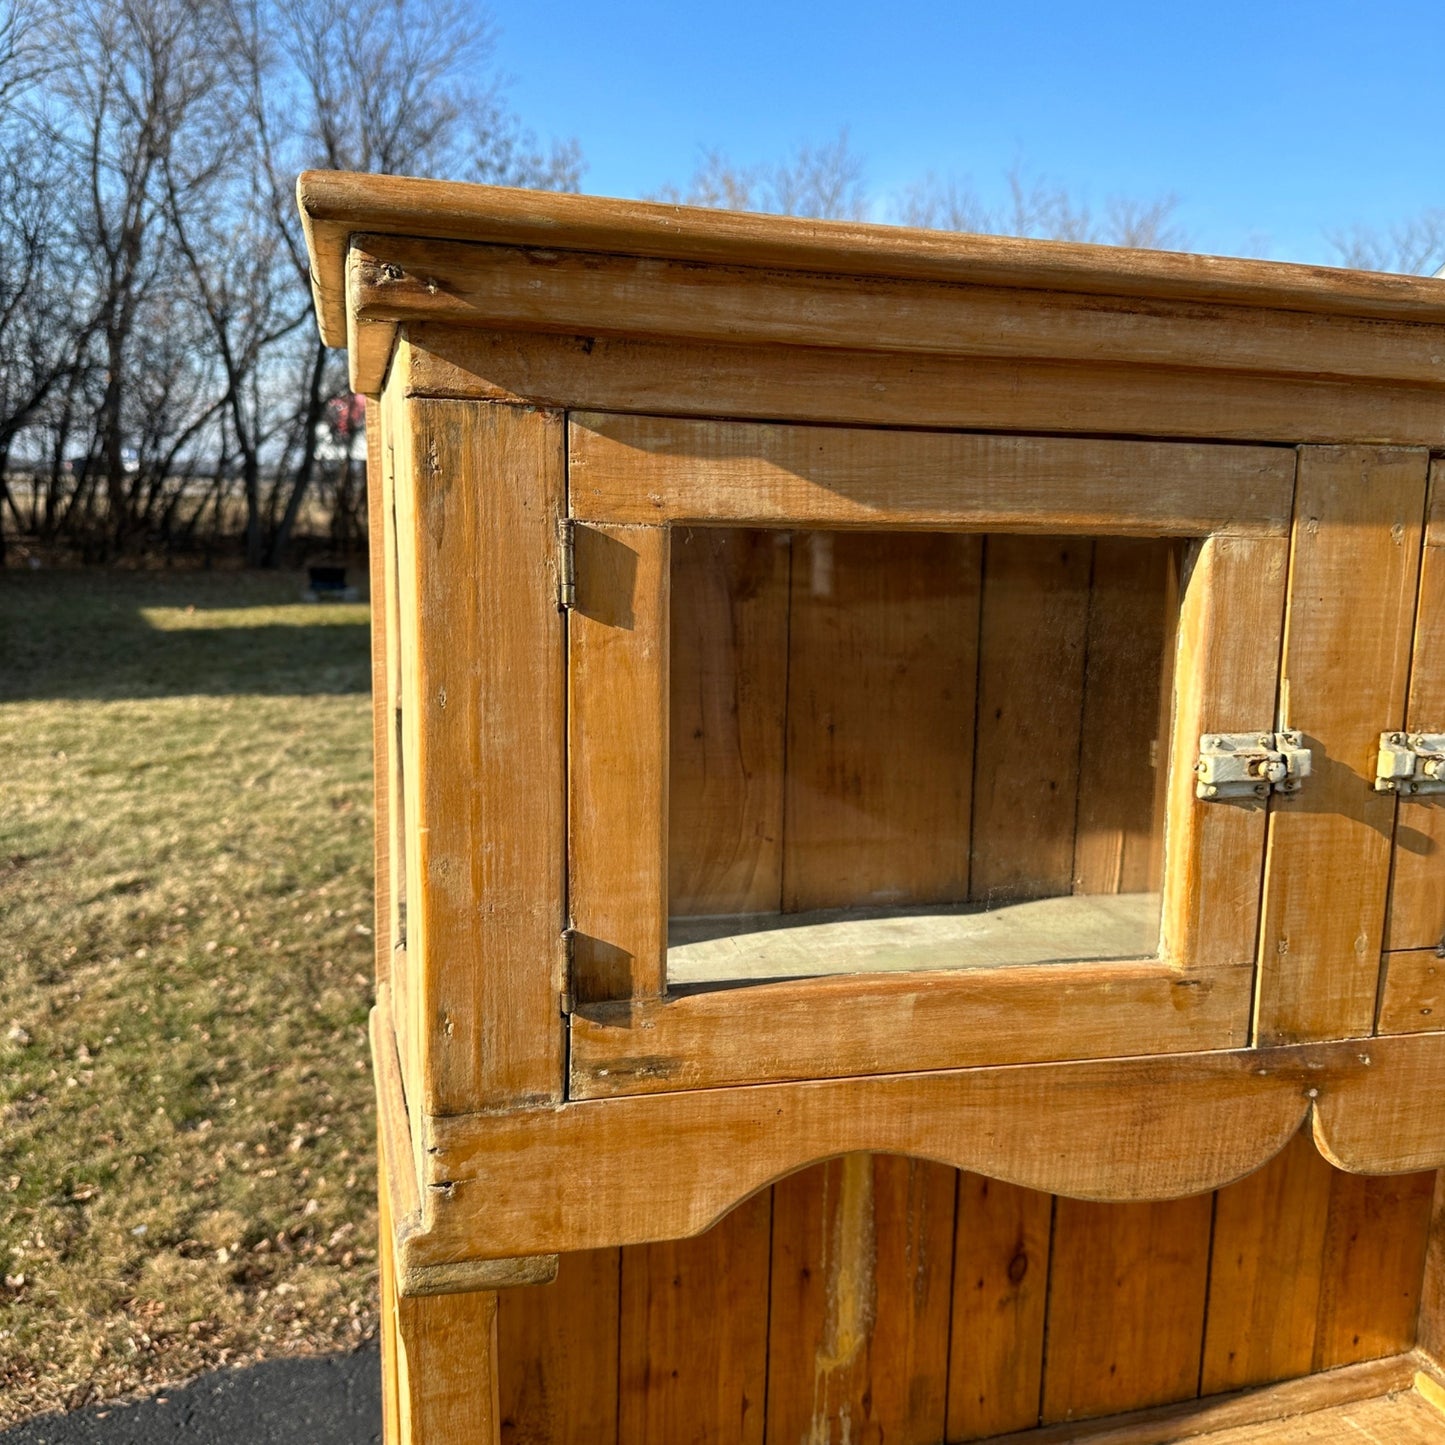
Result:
<point x="897" y="751"/>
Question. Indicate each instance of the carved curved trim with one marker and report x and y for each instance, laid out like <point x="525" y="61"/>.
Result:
<point x="1386" y="1113"/>
<point x="624" y="1171"/>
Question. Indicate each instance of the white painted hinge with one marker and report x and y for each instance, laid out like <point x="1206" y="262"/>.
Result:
<point x="566" y="564"/>
<point x="1250" y="765"/>
<point x="1411" y="764"/>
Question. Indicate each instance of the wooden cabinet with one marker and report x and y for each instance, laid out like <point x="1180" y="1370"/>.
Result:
<point x="855" y="706"/>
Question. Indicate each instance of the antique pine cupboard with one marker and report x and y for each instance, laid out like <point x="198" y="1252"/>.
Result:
<point x="909" y="810"/>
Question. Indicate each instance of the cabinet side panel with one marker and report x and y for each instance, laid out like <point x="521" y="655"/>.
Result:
<point x="1417" y="894"/>
<point x="858" y="1332"/>
<point x="1354" y="561"/>
<point x="381" y="728"/>
<point x="486" y="764"/>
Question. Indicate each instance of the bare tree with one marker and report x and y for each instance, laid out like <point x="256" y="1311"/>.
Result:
<point x="1415" y="247"/>
<point x="1036" y="207"/>
<point x="822" y="181"/>
<point x="130" y="76"/>
<point x="370" y="85"/>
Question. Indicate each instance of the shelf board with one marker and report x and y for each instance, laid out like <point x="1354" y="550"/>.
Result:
<point x="1071" y="929"/>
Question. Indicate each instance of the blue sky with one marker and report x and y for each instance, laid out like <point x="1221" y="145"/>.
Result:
<point x="1274" y="123"/>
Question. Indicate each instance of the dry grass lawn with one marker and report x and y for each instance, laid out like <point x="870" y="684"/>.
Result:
<point x="185" y="881"/>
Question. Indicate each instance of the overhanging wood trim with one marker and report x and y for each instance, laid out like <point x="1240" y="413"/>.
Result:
<point x="664" y="1166"/>
<point x="400" y="278"/>
<point x="336" y="205"/>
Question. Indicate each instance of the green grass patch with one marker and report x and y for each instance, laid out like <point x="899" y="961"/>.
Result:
<point x="186" y="1156"/>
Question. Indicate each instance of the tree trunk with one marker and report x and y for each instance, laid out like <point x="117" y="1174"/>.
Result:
<point x="315" y="404"/>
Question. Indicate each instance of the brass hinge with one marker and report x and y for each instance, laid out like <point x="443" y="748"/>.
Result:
<point x="566" y="564"/>
<point x="1411" y="764"/>
<point x="569" y="963"/>
<point x="1250" y="765"/>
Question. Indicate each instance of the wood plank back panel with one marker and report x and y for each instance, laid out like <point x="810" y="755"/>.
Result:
<point x="876" y="1298"/>
<point x="883" y="642"/>
<point x="694" y="1334"/>
<point x="883" y="645"/>
<point x="858" y="1326"/>
<point x="1265" y="1276"/>
<point x="1124" y="743"/>
<point x="1030" y="705"/>
<point x="1127" y="1289"/>
<point x="1000" y="1293"/>
<point x="1374" y="1263"/>
<point x="558" y="1354"/>
<point x="727" y="683"/>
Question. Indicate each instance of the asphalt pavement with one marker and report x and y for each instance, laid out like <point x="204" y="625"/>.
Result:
<point x="326" y="1400"/>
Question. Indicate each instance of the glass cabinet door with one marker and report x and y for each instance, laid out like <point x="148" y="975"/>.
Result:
<point x="884" y="746"/>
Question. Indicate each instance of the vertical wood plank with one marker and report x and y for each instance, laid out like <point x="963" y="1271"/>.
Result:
<point x="1265" y="1271"/>
<point x="1171" y="599"/>
<point x="381" y="726"/>
<point x="1000" y="1289"/>
<point x="694" y="1325"/>
<point x="391" y="930"/>
<point x="557" y="1353"/>
<point x="1030" y="694"/>
<point x="1417" y="893"/>
<point x="618" y="748"/>
<point x="1226" y="670"/>
<point x="882" y="668"/>
<point x="1126" y="1305"/>
<point x="1430" y="1322"/>
<point x="1412" y="993"/>
<point x="386" y="1269"/>
<point x="1124" y="746"/>
<point x="1373" y="1264"/>
<point x="483" y="699"/>
<point x="1354" y="563"/>
<point x="858" y="1347"/>
<point x="447" y="1359"/>
<point x="727" y="684"/>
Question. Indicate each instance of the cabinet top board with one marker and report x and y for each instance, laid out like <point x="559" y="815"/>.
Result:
<point x="337" y="207"/>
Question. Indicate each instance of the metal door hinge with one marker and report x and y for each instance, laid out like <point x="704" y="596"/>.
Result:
<point x="1411" y="763"/>
<point x="566" y="564"/>
<point x="569" y="965"/>
<point x="1250" y="765"/>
